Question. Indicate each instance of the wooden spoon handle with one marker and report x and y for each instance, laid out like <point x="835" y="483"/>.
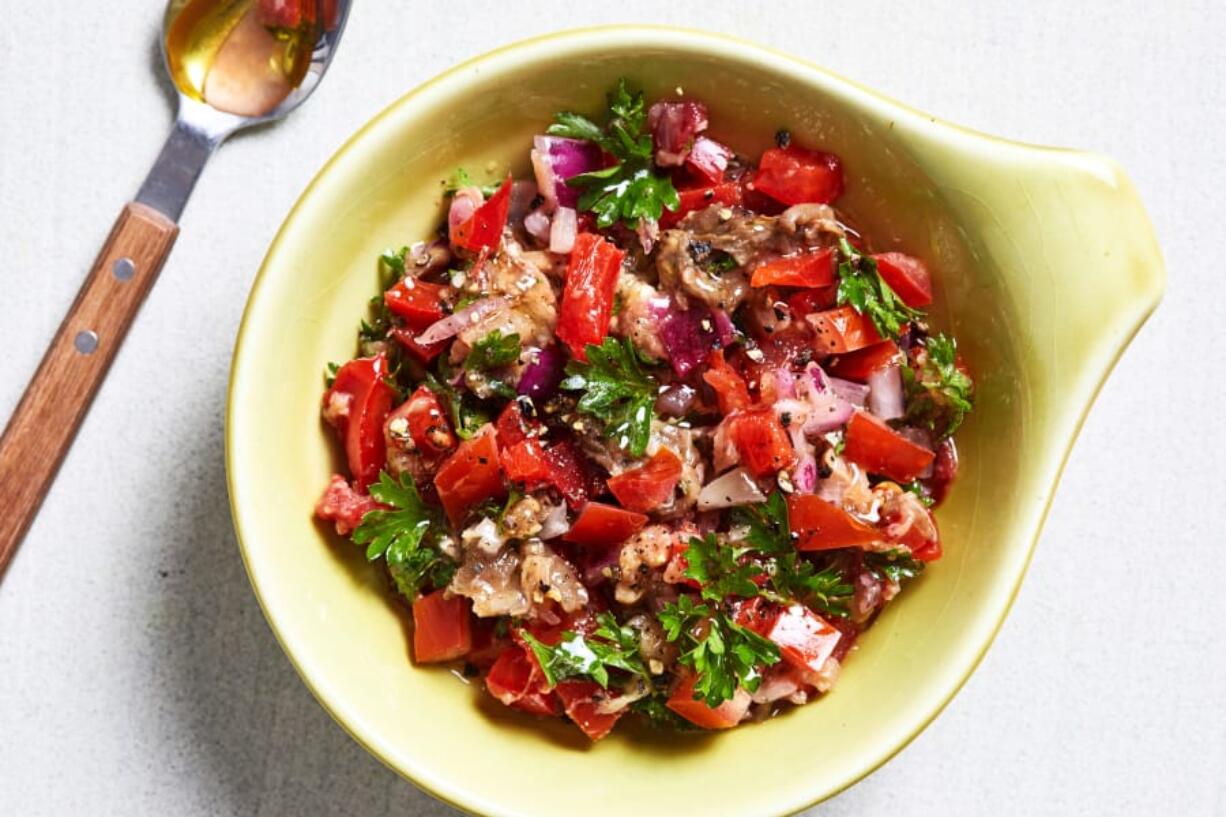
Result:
<point x="59" y="394"/>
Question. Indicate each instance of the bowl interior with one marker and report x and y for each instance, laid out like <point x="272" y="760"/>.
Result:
<point x="330" y="609"/>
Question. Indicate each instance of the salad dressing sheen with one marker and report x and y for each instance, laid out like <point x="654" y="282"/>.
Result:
<point x="220" y="52"/>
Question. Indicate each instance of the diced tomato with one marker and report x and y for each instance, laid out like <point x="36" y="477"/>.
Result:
<point x="470" y="476"/>
<point x="420" y="303"/>
<point x="511" y="426"/>
<point x="360" y="387"/>
<point x="708" y="159"/>
<point x="907" y="276"/>
<point x="440" y="628"/>
<point x="858" y="365"/>
<point x="725" y="716"/>
<point x="807" y="301"/>
<point x="819" y="525"/>
<point x="730" y="388"/>
<point x="794" y="175"/>
<point x="429" y="427"/>
<point x="649" y="486"/>
<point x="407" y="338"/>
<point x="483" y="229"/>
<point x="842" y="330"/>
<point x="567" y="472"/>
<point x="601" y="525"/>
<point x="525" y="462"/>
<point x="811" y="270"/>
<point x="880" y="449"/>
<point x="700" y="198"/>
<point x="580" y="700"/>
<point x="761" y="441"/>
<point x="344" y="506"/>
<point x="805" y="639"/>
<point x="515" y="680"/>
<point x="587" y="298"/>
<point x="756" y="614"/>
<point x="928" y="552"/>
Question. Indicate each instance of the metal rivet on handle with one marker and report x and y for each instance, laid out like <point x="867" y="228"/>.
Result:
<point x="86" y="342"/>
<point x="123" y="269"/>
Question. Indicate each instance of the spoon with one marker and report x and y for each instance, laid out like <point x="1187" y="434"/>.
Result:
<point x="235" y="63"/>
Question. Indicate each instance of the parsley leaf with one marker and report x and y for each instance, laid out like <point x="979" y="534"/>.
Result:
<point x="718" y="568"/>
<point x="575" y="655"/>
<point x="939" y="394"/>
<point x="493" y="351"/>
<point x="655" y="708"/>
<point x="397" y="535"/>
<point x="460" y="179"/>
<point x="894" y="565"/>
<point x="861" y="286"/>
<point x="616" y="391"/>
<point x="767" y="523"/>
<point x="916" y="487"/>
<point x="394" y="260"/>
<point x="723" y="654"/>
<point x="628" y="190"/>
<point x="330" y="373"/>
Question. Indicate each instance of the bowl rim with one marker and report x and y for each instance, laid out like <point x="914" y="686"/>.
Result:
<point x="454" y="796"/>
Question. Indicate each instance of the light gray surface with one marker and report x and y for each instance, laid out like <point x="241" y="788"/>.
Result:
<point x="137" y="675"/>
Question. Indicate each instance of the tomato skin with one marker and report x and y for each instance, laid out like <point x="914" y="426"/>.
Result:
<point x="441" y="628"/>
<point x="795" y="175"/>
<point x="470" y="476"/>
<point x="567" y="472"/>
<point x="600" y="525"/>
<point x="420" y="303"/>
<point x="649" y="486"/>
<point x="819" y="525"/>
<point x="858" y="365"/>
<point x="579" y="701"/>
<point x="842" y="330"/>
<point x="700" y="198"/>
<point x="761" y="441"/>
<point x="587" y="297"/>
<point x="360" y="383"/>
<point x="880" y="449"/>
<point x="343" y="506"/>
<point x="730" y="389"/>
<point x="525" y="462"/>
<point x="805" y="639"/>
<point x="429" y="427"/>
<point x="907" y="276"/>
<point x="810" y="270"/>
<point x="725" y="716"/>
<point x="511" y="426"/>
<point x="483" y="229"/>
<point x="808" y="301"/>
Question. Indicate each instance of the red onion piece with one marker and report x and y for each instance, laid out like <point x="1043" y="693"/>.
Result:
<point x="449" y="326"/>
<point x="709" y="158"/>
<point x="556" y="159"/>
<point x="522" y="194"/>
<point x="563" y="230"/>
<point x="463" y="204"/>
<point x="885" y="398"/>
<point x="689" y="335"/>
<point x="828" y="409"/>
<point x="541" y="377"/>
<point x="674" y="125"/>
<point x="724" y="327"/>
<point x="676" y="400"/>
<point x="555" y="523"/>
<point x="804" y="475"/>
<point x="854" y="393"/>
<point x="537" y="225"/>
<point x="732" y="489"/>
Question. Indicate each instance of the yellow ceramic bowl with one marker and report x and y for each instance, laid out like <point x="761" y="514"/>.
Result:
<point x="1045" y="267"/>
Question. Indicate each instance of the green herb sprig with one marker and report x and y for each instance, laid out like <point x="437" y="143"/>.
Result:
<point x="616" y="391"/>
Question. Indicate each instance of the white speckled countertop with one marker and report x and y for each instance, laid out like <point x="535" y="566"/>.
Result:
<point x="137" y="674"/>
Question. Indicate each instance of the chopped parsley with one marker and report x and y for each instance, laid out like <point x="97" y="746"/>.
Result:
<point x="655" y="708"/>
<point x="493" y="351"/>
<point x="397" y="535"/>
<point x="394" y="260"/>
<point x="460" y="179"/>
<point x="330" y="373"/>
<point x="616" y="391"/>
<point x="916" y="487"/>
<point x="628" y="190"/>
<point x="723" y="654"/>
<point x="861" y="286"/>
<point x="611" y="646"/>
<point x="939" y="394"/>
<point x="721" y="569"/>
<point x="893" y="565"/>
<point x="466" y="416"/>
